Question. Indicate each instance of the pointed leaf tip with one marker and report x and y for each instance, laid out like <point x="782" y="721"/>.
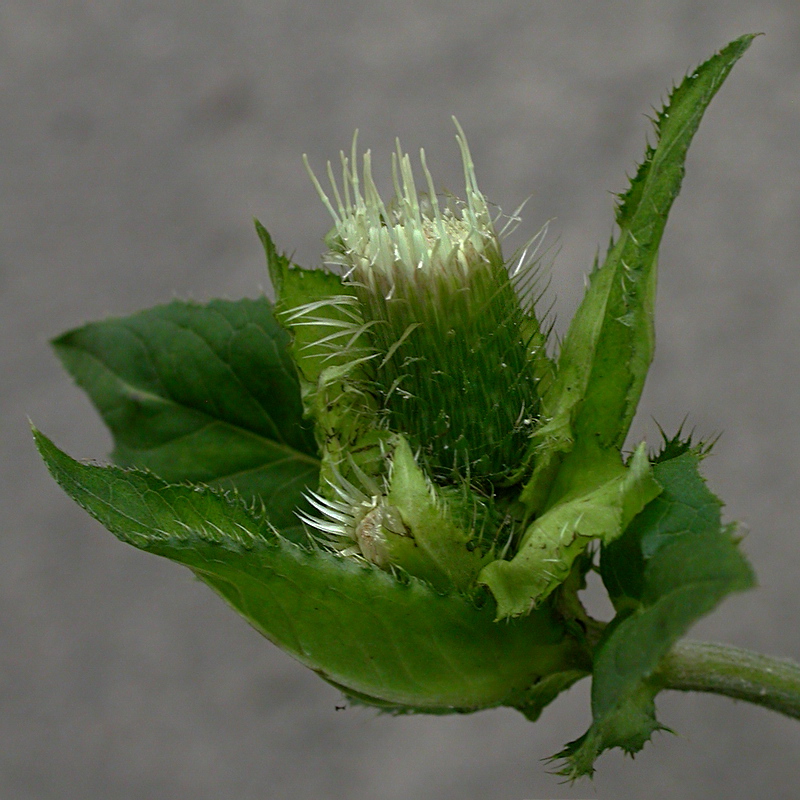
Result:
<point x="394" y="642"/>
<point x="610" y="343"/>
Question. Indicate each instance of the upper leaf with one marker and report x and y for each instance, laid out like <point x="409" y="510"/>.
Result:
<point x="621" y="350"/>
<point x="609" y="345"/>
<point x="205" y="393"/>
<point x="397" y="643"/>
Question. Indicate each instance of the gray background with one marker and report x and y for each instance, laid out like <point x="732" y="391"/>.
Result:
<point x="138" y="141"/>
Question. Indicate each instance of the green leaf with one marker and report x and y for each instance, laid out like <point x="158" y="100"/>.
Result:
<point x="543" y="692"/>
<point x="394" y="642"/>
<point x="629" y="727"/>
<point x="439" y="552"/>
<point x="620" y="351"/>
<point x="553" y="541"/>
<point x="332" y="355"/>
<point x="296" y="288"/>
<point x="687" y="563"/>
<point x="609" y="345"/>
<point x="685" y="506"/>
<point x="203" y="393"/>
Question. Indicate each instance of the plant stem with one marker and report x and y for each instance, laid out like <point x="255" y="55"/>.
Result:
<point x="707" y="667"/>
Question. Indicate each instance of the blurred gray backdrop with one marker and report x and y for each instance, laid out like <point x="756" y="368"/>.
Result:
<point x="139" y="139"/>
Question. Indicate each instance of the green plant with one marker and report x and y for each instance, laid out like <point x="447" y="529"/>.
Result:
<point x="396" y="476"/>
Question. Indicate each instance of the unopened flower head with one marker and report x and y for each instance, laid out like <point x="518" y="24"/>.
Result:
<point x="416" y="234"/>
<point x="451" y="345"/>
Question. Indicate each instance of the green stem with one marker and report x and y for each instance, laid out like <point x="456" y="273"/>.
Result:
<point x="707" y="667"/>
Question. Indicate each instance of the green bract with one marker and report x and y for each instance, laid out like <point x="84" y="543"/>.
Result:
<point x="394" y="476"/>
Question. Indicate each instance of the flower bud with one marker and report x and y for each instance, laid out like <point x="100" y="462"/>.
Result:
<point x="403" y="521"/>
<point x="454" y="346"/>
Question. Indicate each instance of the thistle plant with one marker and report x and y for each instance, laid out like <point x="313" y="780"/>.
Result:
<point x="397" y="476"/>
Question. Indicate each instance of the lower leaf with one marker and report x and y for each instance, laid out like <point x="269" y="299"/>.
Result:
<point x="391" y="640"/>
<point x="687" y="563"/>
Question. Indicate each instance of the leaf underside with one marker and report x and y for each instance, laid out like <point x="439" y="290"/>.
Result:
<point x="396" y="642"/>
